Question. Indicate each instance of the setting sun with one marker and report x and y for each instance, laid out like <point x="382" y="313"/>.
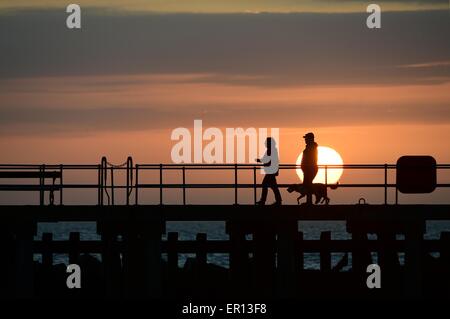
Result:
<point x="327" y="156"/>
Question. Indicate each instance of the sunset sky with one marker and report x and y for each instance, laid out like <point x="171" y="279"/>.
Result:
<point x="139" y="69"/>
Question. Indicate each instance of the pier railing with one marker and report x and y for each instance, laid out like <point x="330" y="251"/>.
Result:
<point x="51" y="179"/>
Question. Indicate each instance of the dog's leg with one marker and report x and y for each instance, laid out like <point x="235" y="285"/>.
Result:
<point x="318" y="199"/>
<point x="300" y="197"/>
<point x="327" y="200"/>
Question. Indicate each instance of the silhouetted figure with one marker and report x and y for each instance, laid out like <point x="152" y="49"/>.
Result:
<point x="270" y="162"/>
<point x="309" y="164"/>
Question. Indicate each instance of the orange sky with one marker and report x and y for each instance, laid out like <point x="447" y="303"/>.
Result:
<point x="356" y="144"/>
<point x="366" y="123"/>
<point x="120" y="85"/>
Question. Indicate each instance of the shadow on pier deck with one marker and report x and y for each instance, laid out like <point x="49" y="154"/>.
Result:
<point x="267" y="264"/>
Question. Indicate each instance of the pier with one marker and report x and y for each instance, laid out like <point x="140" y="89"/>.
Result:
<point x="138" y="258"/>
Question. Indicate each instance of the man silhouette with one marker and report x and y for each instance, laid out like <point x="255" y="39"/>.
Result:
<point x="309" y="164"/>
<point x="270" y="163"/>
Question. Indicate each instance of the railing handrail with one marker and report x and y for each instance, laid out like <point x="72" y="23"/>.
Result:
<point x="106" y="169"/>
<point x="202" y="166"/>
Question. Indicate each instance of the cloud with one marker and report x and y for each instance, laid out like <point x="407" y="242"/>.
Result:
<point x="244" y="49"/>
<point x="427" y="65"/>
<point x="234" y="6"/>
<point x="125" y="71"/>
<point x="312" y="107"/>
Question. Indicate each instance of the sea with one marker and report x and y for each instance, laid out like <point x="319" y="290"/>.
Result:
<point x="216" y="231"/>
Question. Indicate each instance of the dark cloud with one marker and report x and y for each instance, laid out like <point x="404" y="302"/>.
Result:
<point x="73" y="120"/>
<point x="274" y="49"/>
<point x="238" y="49"/>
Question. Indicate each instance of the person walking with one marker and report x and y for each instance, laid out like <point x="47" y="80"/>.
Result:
<point x="309" y="164"/>
<point x="270" y="163"/>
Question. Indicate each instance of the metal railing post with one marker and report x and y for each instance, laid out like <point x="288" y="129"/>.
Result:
<point x="235" y="184"/>
<point x="103" y="175"/>
<point x="127" y="199"/>
<point x="160" y="184"/>
<point x="100" y="180"/>
<point x="385" y="182"/>
<point x="136" y="191"/>
<point x="254" y="184"/>
<point x="184" y="184"/>
<point x="129" y="173"/>
<point x="61" y="184"/>
<point x="112" y="185"/>
<point x="42" y="185"/>
<point x="396" y="190"/>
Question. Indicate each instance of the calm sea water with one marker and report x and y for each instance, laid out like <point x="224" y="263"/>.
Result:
<point x="216" y="231"/>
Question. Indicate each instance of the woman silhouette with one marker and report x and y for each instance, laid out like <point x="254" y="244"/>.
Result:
<point x="270" y="163"/>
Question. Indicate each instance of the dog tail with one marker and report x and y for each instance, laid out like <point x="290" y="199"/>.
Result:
<point x="334" y="186"/>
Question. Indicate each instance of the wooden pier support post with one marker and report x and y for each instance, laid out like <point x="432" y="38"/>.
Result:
<point x="7" y="262"/>
<point x="200" y="273"/>
<point x="287" y="268"/>
<point x="47" y="254"/>
<point x="74" y="247"/>
<point x="445" y="248"/>
<point x="142" y="258"/>
<point x="111" y="262"/>
<point x="24" y="270"/>
<point x="325" y="255"/>
<point x="300" y="261"/>
<point x="361" y="256"/>
<point x="264" y="259"/>
<point x="239" y="258"/>
<point x="414" y="255"/>
<point x="172" y="253"/>
<point x="152" y="251"/>
<point x="445" y="258"/>
<point x="388" y="261"/>
<point x="47" y="266"/>
<point x="200" y="254"/>
<point x="173" y="271"/>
